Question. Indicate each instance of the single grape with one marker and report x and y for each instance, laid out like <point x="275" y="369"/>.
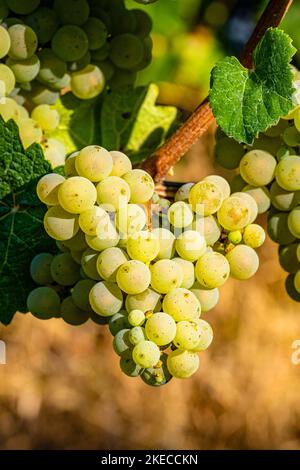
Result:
<point x="8" y="107"/>
<point x="261" y="196"/>
<point x="119" y="321"/>
<point x="243" y="262"/>
<point x="52" y="68"/>
<point x="133" y="277"/>
<point x="288" y="173"/>
<point x="206" y="336"/>
<point x="55" y="152"/>
<point x="141" y="186"/>
<point x="254" y="235"/>
<point x="121" y="164"/>
<point x="24" y="70"/>
<point x="121" y="343"/>
<point x="106" y="298"/>
<point x="166" y="243"/>
<point x="74" y="12"/>
<point x="208" y="298"/>
<point x="127" y="51"/>
<point x="80" y="294"/>
<point x="250" y="203"/>
<point x="158" y="375"/>
<point x="122" y="78"/>
<point x="96" y="33"/>
<point x="161" y="328"/>
<point x="190" y="245"/>
<point x="64" y="270"/>
<point x="188" y="272"/>
<point x="165" y="275"/>
<point x="30" y="132"/>
<point x="288" y="258"/>
<point x="72" y="314"/>
<point x="257" y="167"/>
<point x="290" y="288"/>
<point x="46" y="117"/>
<point x="44" y="22"/>
<point x="182" y="364"/>
<point x="89" y="264"/>
<point x="94" y="162"/>
<point x="106" y="237"/>
<point x="70" y="43"/>
<point x="180" y="214"/>
<point x="188" y="335"/>
<point x="182" y="305"/>
<point x="209" y="227"/>
<point x="136" y="317"/>
<point x="128" y="366"/>
<point x="228" y="153"/>
<point x="143" y="246"/>
<point x="4" y="42"/>
<point x="23" y="41"/>
<point x="183" y="192"/>
<point x="88" y="82"/>
<point x="278" y="229"/>
<point x="205" y="198"/>
<point x="44" y="303"/>
<point x="77" y="194"/>
<point x="40" y="269"/>
<point x="283" y="200"/>
<point x="234" y="213"/>
<point x="143" y="23"/>
<point x="40" y="94"/>
<point x="294" y="222"/>
<point x="47" y="188"/>
<point x="212" y="270"/>
<point x="7" y="78"/>
<point x="109" y="262"/>
<point x="91" y="218"/>
<point x="113" y="190"/>
<point x="146" y="354"/>
<point x="22" y="7"/>
<point x="221" y="183"/>
<point x="235" y="237"/>
<point x="59" y="224"/>
<point x="146" y="301"/>
<point x="291" y="136"/>
<point x="69" y="168"/>
<point x="136" y="335"/>
<point x="130" y="219"/>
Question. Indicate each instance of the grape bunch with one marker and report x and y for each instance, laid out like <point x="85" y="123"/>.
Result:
<point x="148" y="280"/>
<point x="81" y="45"/>
<point x="269" y="171"/>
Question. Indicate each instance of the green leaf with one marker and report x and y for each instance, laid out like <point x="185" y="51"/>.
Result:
<point x="132" y="122"/>
<point x="247" y="102"/>
<point x="18" y="166"/>
<point x="77" y="122"/>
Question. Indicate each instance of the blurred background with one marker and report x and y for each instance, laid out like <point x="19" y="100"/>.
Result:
<point x="62" y="388"/>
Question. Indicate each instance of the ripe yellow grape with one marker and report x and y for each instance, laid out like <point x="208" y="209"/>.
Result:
<point x="190" y="245"/>
<point x="212" y="270"/>
<point x="141" y="186"/>
<point x="165" y="275"/>
<point x="182" y="364"/>
<point x="59" y="224"/>
<point x="47" y="188"/>
<point x="133" y="277"/>
<point x="143" y="246"/>
<point x="91" y="218"/>
<point x="182" y="305"/>
<point x="121" y="163"/>
<point x="106" y="298"/>
<point x="206" y="198"/>
<point x="113" y="190"/>
<point x="77" y="194"/>
<point x="94" y="162"/>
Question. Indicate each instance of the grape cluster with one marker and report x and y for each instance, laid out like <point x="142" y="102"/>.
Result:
<point x="47" y="46"/>
<point x="149" y="283"/>
<point x="269" y="171"/>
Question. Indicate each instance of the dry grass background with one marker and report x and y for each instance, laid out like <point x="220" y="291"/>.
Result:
<point x="62" y="388"/>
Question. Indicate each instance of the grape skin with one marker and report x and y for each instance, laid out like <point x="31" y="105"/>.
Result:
<point x="109" y="261"/>
<point x="40" y="268"/>
<point x="254" y="235"/>
<point x="44" y="303"/>
<point x="182" y="364"/>
<point x="64" y="270"/>
<point x="205" y="198"/>
<point x="166" y="243"/>
<point x="94" y="162"/>
<point x="106" y="298"/>
<point x="119" y="321"/>
<point x="182" y="305"/>
<point x="72" y="314"/>
<point x="47" y="188"/>
<point x="59" y="224"/>
<point x="146" y="354"/>
<point x="257" y="167"/>
<point x="141" y="186"/>
<point x="161" y="328"/>
<point x="90" y="219"/>
<point x="146" y="301"/>
<point x="113" y="190"/>
<point x="165" y="276"/>
<point x="208" y="298"/>
<point x="133" y="277"/>
<point x="143" y="246"/>
<point x="294" y="222"/>
<point x="190" y="245"/>
<point x="188" y="272"/>
<point x="80" y="294"/>
<point x="89" y="264"/>
<point x="212" y="270"/>
<point x="243" y="262"/>
<point x="77" y="194"/>
<point x="121" y="164"/>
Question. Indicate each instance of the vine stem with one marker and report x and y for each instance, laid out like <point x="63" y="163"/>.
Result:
<point x="159" y="164"/>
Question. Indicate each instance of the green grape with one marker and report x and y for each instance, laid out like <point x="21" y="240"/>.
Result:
<point x="276" y="131"/>
<point x="70" y="43"/>
<point x="23" y="42"/>
<point x="40" y="268"/>
<point x="8" y="107"/>
<point x="291" y="136"/>
<point x="141" y="186"/>
<point x="46" y="117"/>
<point x="122" y="78"/>
<point x="47" y="188"/>
<point x="182" y="364"/>
<point x="237" y="184"/>
<point x="166" y="243"/>
<point x="297" y="281"/>
<point x="89" y="264"/>
<point x="114" y="191"/>
<point x="94" y="162"/>
<point x="72" y="314"/>
<point x="284" y="152"/>
<point x="221" y="184"/>
<point x="257" y="167"/>
<point x="209" y="228"/>
<point x="133" y="277"/>
<point x="143" y="23"/>
<point x="278" y="229"/>
<point x="121" y="343"/>
<point x="59" y="224"/>
<point x="206" y="336"/>
<point x="22" y="7"/>
<point x="24" y="70"/>
<point x="251" y="204"/>
<point x="297" y="119"/>
<point x="266" y="144"/>
<point x="294" y="222"/>
<point x="109" y="262"/>
<point x="119" y="321"/>
<point x="208" y="298"/>
<point x="182" y="305"/>
<point x="136" y="335"/>
<point x="283" y="200"/>
<point x="4" y="42"/>
<point x="77" y="194"/>
<point x="143" y="246"/>
<point x="64" y="270"/>
<point x="165" y="275"/>
<point x="261" y="196"/>
<point x="298" y="252"/>
<point x="288" y="173"/>
<point x="161" y="328"/>
<point x="44" y="303"/>
<point x="228" y="153"/>
<point x="88" y="82"/>
<point x="128" y="366"/>
<point x="180" y="214"/>
<point x="136" y="318"/>
<point x="157" y="376"/>
<point x="106" y="298"/>
<point x="106" y="237"/>
<point x="212" y="270"/>
<point x="183" y="192"/>
<point x="121" y="164"/>
<point x="73" y="12"/>
<point x="254" y="235"/>
<point x="3" y="10"/>
<point x="44" y="22"/>
<point x="190" y="245"/>
<point x="205" y="198"/>
<point x="188" y="335"/>
<point x="288" y="258"/>
<point x="76" y="255"/>
<point x="39" y="94"/>
<point x="188" y="272"/>
<point x="7" y="80"/>
<point x="69" y="167"/>
<point x="291" y="289"/>
<point x="235" y="237"/>
<point x="146" y="354"/>
<point x="81" y="63"/>
<point x="62" y="247"/>
<point x="30" y="132"/>
<point x="55" y="152"/>
<point x="90" y="219"/>
<point x="96" y="33"/>
<point x="98" y="319"/>
<point x="146" y="301"/>
<point x="234" y="214"/>
<point x="77" y="242"/>
<point x="130" y="219"/>
<point x="243" y="262"/>
<point x="52" y="68"/>
<point x="101" y="54"/>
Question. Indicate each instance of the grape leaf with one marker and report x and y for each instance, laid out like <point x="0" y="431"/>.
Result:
<point x="21" y="218"/>
<point x="247" y="102"/>
<point x="132" y="122"/>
